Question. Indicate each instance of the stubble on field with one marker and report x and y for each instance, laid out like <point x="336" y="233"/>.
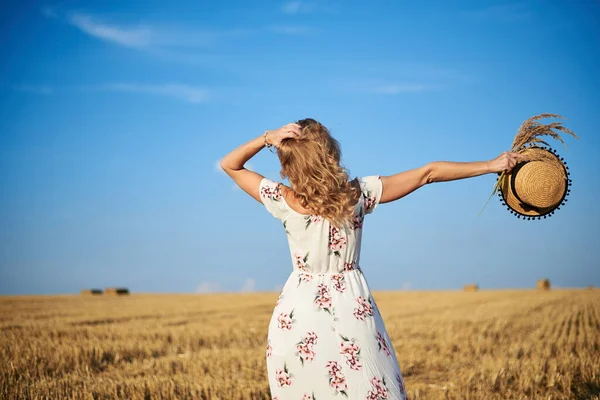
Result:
<point x="450" y="345"/>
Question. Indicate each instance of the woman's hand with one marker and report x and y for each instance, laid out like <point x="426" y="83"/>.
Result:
<point x="505" y="162"/>
<point x="291" y="130"/>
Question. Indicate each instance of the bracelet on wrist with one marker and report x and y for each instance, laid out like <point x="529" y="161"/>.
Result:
<point x="267" y="144"/>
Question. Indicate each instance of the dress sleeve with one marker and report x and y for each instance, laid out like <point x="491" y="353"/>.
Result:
<point x="372" y="187"/>
<point x="272" y="198"/>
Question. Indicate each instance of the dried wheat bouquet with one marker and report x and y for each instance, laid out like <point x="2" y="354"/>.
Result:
<point x="545" y="179"/>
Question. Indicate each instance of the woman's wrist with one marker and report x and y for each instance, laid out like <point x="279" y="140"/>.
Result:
<point x="267" y="142"/>
<point x="488" y="167"/>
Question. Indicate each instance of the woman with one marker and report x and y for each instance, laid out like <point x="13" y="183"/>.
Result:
<point x="326" y="338"/>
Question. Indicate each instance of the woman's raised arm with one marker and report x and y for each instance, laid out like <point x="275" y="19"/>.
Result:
<point x="233" y="163"/>
<point x="399" y="185"/>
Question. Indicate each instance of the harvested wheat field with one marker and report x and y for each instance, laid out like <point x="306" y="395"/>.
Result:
<point x="451" y="345"/>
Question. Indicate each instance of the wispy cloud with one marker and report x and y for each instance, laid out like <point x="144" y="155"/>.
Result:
<point x="126" y="36"/>
<point x="404" y="78"/>
<point x="307" y="7"/>
<point x="249" y="285"/>
<point x="188" y="93"/>
<point x="292" y="7"/>
<point x="155" y="36"/>
<point x="36" y="89"/>
<point x="169" y="41"/>
<point x="208" y="287"/>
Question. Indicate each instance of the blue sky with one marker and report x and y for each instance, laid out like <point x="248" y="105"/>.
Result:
<point x="113" y="116"/>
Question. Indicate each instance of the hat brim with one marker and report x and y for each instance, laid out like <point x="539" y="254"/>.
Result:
<point x="517" y="206"/>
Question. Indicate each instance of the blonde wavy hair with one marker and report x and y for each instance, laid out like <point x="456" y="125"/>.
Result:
<point x="312" y="165"/>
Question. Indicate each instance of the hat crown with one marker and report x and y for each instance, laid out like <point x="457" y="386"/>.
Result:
<point x="540" y="184"/>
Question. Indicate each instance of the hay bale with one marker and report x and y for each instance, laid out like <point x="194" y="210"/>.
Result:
<point x="543" y="284"/>
<point x="116" y="291"/>
<point x="91" y="292"/>
<point x="471" y="288"/>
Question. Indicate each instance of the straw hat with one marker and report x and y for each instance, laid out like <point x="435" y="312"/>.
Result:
<point x="537" y="187"/>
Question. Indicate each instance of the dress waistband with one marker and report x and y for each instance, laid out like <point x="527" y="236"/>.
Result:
<point x="345" y="271"/>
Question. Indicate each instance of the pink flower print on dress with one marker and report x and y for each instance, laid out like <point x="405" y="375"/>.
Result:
<point x="311" y="338"/>
<point x="337" y="380"/>
<point x="269" y="349"/>
<point x="401" y="385"/>
<point x="302" y="277"/>
<point x="379" y="391"/>
<point x="364" y="308"/>
<point x="323" y="298"/>
<point x="273" y="193"/>
<point x="349" y="266"/>
<point x="283" y="377"/>
<point x="308" y="396"/>
<point x="383" y="346"/>
<point x="351" y="351"/>
<point x="305" y="347"/>
<point x="311" y="219"/>
<point x="369" y="202"/>
<point x="304" y="352"/>
<point x="301" y="261"/>
<point x="285" y="321"/>
<point x="339" y="283"/>
<point x="336" y="241"/>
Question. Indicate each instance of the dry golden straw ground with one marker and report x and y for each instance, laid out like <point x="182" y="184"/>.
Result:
<point x="530" y="134"/>
<point x="488" y="345"/>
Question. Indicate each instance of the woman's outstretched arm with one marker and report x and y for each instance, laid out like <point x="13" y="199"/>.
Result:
<point x="399" y="185"/>
<point x="233" y="163"/>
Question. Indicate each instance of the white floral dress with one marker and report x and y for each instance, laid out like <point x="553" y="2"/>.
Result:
<point x="326" y="338"/>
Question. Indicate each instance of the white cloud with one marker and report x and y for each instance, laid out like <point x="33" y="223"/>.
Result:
<point x="156" y="37"/>
<point x="249" y="285"/>
<point x="36" y="89"/>
<point x="131" y="37"/>
<point x="307" y="7"/>
<point x="188" y="93"/>
<point x="169" y="40"/>
<point x="292" y="7"/>
<point x="207" y="287"/>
